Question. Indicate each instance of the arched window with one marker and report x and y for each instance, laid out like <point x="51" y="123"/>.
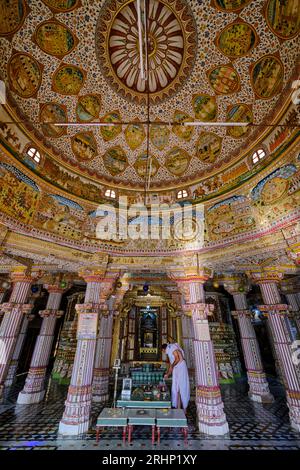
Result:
<point x="258" y="155"/>
<point x="34" y="154"/>
<point x="110" y="193"/>
<point x="182" y="194"/>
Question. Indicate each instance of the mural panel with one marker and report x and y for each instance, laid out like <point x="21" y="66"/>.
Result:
<point x="55" y="38"/>
<point x="62" y="5"/>
<point x="208" y="147"/>
<point x="115" y="160"/>
<point x="205" y="107"/>
<point x="224" y="79"/>
<point x="68" y="80"/>
<point x="159" y="135"/>
<point x="84" y="146"/>
<point x="274" y="186"/>
<point x="283" y="17"/>
<point x="134" y="135"/>
<point x="177" y="161"/>
<point x="19" y="195"/>
<point x="229" y="217"/>
<point x="239" y="113"/>
<point x="12" y="14"/>
<point x="237" y="39"/>
<point x="25" y="74"/>
<point x="53" y="112"/>
<point x="88" y="107"/>
<point x="230" y="5"/>
<point x="142" y="164"/>
<point x="111" y="132"/>
<point x="267" y="76"/>
<point x="182" y="132"/>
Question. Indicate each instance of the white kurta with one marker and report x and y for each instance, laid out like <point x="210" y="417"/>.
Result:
<point x="180" y="377"/>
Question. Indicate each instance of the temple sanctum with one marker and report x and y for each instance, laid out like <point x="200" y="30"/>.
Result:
<point x="149" y="224"/>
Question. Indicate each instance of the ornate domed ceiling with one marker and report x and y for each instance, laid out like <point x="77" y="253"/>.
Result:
<point x="214" y="60"/>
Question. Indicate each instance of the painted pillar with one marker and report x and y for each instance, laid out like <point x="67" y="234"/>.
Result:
<point x="178" y="329"/>
<point x="34" y="388"/>
<point x="210" y="408"/>
<point x="117" y="336"/>
<point x="14" y="311"/>
<point x="131" y="337"/>
<point x="277" y="313"/>
<point x="258" y="385"/>
<point x="13" y="366"/>
<point x="290" y="289"/>
<point x="164" y="324"/>
<point x="102" y="361"/>
<point x="76" y="416"/>
<point x="187" y="342"/>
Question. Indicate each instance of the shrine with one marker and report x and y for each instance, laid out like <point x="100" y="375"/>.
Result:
<point x="149" y="225"/>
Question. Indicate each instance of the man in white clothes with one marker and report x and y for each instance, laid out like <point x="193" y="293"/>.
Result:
<point x="180" y="376"/>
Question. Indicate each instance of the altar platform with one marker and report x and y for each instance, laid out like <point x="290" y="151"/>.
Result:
<point x="143" y="404"/>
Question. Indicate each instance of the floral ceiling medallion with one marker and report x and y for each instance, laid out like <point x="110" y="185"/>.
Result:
<point x="171" y="47"/>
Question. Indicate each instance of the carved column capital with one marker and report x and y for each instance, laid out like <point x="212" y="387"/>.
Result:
<point x="235" y="284"/>
<point x="241" y="313"/>
<point x="273" y="275"/>
<point x="51" y="312"/>
<point x="9" y="306"/>
<point x="200" y="310"/>
<point x="282" y="309"/>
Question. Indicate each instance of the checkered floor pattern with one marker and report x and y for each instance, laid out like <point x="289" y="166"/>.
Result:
<point x="252" y="425"/>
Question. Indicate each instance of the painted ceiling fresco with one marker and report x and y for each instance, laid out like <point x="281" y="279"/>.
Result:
<point x="78" y="60"/>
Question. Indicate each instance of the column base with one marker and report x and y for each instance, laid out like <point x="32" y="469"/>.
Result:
<point x="261" y="398"/>
<point x="213" y="429"/>
<point x="11" y="375"/>
<point x="210" y="411"/>
<point x="73" y="429"/>
<point x="100" y="398"/>
<point x="295" y="426"/>
<point x="25" y="398"/>
<point x="293" y="402"/>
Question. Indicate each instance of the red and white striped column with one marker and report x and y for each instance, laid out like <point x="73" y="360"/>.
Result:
<point x="76" y="416"/>
<point x="14" y="311"/>
<point x="210" y="409"/>
<point x="291" y="289"/>
<point x="187" y="340"/>
<point x="102" y="360"/>
<point x="12" y="370"/>
<point x="258" y="385"/>
<point x="34" y="388"/>
<point x="278" y="316"/>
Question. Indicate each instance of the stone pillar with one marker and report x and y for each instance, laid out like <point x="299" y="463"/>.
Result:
<point x="290" y="289"/>
<point x="117" y="308"/>
<point x="102" y="362"/>
<point x="116" y="340"/>
<point x="76" y="417"/>
<point x="34" y="388"/>
<point x="187" y="342"/>
<point x="14" y="311"/>
<point x="210" y="408"/>
<point x="258" y="385"/>
<point x="277" y="313"/>
<point x="12" y="370"/>
<point x="178" y="329"/>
